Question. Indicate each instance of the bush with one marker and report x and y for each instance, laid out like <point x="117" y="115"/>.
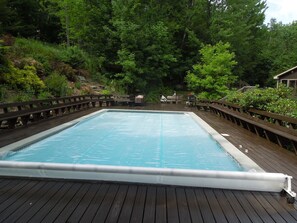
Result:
<point x="23" y="96"/>
<point x="275" y="100"/>
<point x="77" y="85"/>
<point x="57" y="85"/>
<point x="44" y="95"/>
<point x="283" y="106"/>
<point x="3" y="93"/>
<point x="74" y="56"/>
<point x="39" y="51"/>
<point x="24" y="79"/>
<point x="259" y="98"/>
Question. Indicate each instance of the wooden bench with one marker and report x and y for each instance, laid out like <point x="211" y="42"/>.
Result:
<point x="283" y="136"/>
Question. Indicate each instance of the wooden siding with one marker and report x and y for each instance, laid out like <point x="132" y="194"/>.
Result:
<point x="289" y="76"/>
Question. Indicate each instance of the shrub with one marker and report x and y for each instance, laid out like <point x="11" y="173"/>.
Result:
<point x="44" y="95"/>
<point x="23" y="96"/>
<point x="275" y="100"/>
<point x="24" y="79"/>
<point x="105" y="92"/>
<point x="259" y="98"/>
<point x="77" y="85"/>
<point x="3" y="93"/>
<point x="65" y="69"/>
<point x="57" y="85"/>
<point x="283" y="106"/>
<point x="74" y="56"/>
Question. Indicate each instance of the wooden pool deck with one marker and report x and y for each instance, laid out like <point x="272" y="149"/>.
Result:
<point x="38" y="200"/>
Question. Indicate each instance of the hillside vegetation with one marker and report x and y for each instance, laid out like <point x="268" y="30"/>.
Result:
<point x="33" y="69"/>
<point x="149" y="47"/>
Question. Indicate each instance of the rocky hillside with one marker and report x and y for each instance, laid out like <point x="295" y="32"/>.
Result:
<point x="31" y="69"/>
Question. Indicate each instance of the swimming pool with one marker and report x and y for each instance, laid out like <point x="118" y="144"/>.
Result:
<point x="138" y="139"/>
<point x="151" y="147"/>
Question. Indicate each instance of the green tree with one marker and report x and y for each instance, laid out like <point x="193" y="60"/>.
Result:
<point x="212" y="77"/>
<point x="30" y="18"/>
<point x="146" y="50"/>
<point x="280" y="48"/>
<point x="240" y="23"/>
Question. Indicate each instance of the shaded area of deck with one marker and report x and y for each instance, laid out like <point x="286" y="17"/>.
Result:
<point x="50" y="201"/>
<point x="33" y="200"/>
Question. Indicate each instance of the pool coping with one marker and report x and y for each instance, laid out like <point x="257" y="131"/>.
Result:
<point x="254" y="179"/>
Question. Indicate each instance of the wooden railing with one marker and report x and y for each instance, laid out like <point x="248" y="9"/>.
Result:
<point x="17" y="114"/>
<point x="277" y="119"/>
<point x="276" y="128"/>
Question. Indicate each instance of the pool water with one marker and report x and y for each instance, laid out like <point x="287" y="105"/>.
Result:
<point x="138" y="139"/>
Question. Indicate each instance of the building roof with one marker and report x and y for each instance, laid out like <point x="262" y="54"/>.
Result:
<point x="283" y="73"/>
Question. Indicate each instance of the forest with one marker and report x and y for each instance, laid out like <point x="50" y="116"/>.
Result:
<point x="150" y="46"/>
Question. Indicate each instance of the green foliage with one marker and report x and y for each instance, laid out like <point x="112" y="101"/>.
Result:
<point x="25" y="79"/>
<point x="105" y="92"/>
<point x="240" y="23"/>
<point x="77" y="85"/>
<point x="57" y="85"/>
<point x="3" y="59"/>
<point x="283" y="106"/>
<point x="22" y="96"/>
<point x="280" y="47"/>
<point x="56" y="58"/>
<point x="74" y="57"/>
<point x="3" y="93"/>
<point x="212" y="77"/>
<point x="277" y="100"/>
<point x="44" y="53"/>
<point x="144" y="45"/>
<point x="30" y="19"/>
<point x="44" y="95"/>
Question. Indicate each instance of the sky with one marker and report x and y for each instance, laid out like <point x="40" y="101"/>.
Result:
<point x="284" y="11"/>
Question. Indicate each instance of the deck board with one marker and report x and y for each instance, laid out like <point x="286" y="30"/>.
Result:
<point x="128" y="205"/>
<point x="194" y="209"/>
<point x="205" y="207"/>
<point x="182" y="203"/>
<point x="226" y="207"/>
<point x="88" y="198"/>
<point x="150" y="205"/>
<point x="46" y="209"/>
<point x="238" y="209"/>
<point x="172" y="211"/>
<point x="55" y="212"/>
<point x="72" y="204"/>
<point x="138" y="208"/>
<point x="161" y="205"/>
<point x="215" y="206"/>
<point x="98" y="210"/>
<point x="16" y="201"/>
<point x="37" y="200"/>
<point x="118" y="202"/>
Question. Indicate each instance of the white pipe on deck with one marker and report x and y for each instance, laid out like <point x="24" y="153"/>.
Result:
<point x="273" y="182"/>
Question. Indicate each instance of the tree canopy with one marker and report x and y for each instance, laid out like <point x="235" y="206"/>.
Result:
<point x="213" y="75"/>
<point x="148" y="45"/>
